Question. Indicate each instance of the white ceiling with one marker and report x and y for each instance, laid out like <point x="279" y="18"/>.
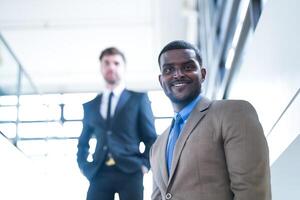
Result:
<point x="58" y="41"/>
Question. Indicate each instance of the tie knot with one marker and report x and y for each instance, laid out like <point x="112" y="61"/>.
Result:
<point x="111" y="94"/>
<point x="177" y="122"/>
<point x="178" y="119"/>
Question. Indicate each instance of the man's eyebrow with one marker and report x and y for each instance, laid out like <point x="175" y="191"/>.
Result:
<point x="168" y="65"/>
<point x="189" y="62"/>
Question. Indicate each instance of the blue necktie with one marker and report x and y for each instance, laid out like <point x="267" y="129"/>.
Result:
<point x="172" y="140"/>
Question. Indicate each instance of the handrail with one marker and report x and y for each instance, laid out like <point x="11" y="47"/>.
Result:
<point x="21" y="68"/>
<point x="10" y="141"/>
<point x="3" y="135"/>
<point x="284" y="111"/>
<point x="18" y="92"/>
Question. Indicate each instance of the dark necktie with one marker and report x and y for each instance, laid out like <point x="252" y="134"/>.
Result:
<point x="109" y="160"/>
<point x="108" y="114"/>
<point x="173" y="136"/>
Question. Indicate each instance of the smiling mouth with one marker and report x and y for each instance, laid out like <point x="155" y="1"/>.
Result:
<point x="180" y="83"/>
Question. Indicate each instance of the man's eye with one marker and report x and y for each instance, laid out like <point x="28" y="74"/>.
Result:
<point x="167" y="71"/>
<point x="189" y="67"/>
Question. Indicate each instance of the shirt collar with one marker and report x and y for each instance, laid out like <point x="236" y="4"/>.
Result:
<point x="185" y="112"/>
<point x="117" y="91"/>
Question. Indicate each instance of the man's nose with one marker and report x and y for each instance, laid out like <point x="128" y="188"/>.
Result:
<point x="178" y="72"/>
<point x="111" y="66"/>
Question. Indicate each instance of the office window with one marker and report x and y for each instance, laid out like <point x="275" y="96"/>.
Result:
<point x="162" y="110"/>
<point x="8" y="100"/>
<point x="58" y="116"/>
<point x="62" y="150"/>
<point x="51" y="99"/>
<point x="161" y="105"/>
<point x="40" y="130"/>
<point x="39" y="112"/>
<point x="162" y="124"/>
<point x="77" y="98"/>
<point x="31" y="100"/>
<point x="73" y="111"/>
<point x="8" y="113"/>
<point x="34" y="148"/>
<point x="71" y="129"/>
<point x="8" y="129"/>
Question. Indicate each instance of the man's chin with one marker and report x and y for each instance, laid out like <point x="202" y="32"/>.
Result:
<point x="181" y="99"/>
<point x="177" y="99"/>
<point x="111" y="82"/>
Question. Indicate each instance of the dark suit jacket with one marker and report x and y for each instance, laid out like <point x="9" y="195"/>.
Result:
<point x="132" y="123"/>
<point x="221" y="154"/>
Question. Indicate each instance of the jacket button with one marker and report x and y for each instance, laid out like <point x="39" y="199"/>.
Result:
<point x="105" y="148"/>
<point x="168" y="196"/>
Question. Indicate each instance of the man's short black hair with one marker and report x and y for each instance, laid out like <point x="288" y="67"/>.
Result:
<point x="181" y="44"/>
<point x="112" y="51"/>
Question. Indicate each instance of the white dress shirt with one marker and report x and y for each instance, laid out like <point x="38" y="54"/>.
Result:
<point x="115" y="98"/>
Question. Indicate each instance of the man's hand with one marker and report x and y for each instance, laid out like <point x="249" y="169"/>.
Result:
<point x="144" y="169"/>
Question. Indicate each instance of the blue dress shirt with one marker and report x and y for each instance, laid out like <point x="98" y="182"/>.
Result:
<point x="183" y="115"/>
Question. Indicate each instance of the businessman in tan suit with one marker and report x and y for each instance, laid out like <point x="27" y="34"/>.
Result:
<point x="214" y="150"/>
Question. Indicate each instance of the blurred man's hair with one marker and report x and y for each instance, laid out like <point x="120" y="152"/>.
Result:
<point x="112" y="51"/>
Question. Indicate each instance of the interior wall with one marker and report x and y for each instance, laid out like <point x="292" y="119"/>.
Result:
<point x="270" y="71"/>
<point x="269" y="79"/>
<point x="172" y="21"/>
<point x="285" y="183"/>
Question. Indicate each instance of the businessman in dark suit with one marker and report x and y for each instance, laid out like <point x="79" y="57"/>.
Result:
<point x="119" y="120"/>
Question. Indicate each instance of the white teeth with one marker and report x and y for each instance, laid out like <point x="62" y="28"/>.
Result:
<point x="179" y="84"/>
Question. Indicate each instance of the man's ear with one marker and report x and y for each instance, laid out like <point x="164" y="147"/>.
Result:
<point x="159" y="78"/>
<point x="203" y="74"/>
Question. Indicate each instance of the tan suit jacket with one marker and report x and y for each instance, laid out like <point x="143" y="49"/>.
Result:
<point x="221" y="154"/>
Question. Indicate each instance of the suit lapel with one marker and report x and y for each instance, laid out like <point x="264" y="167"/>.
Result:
<point x="194" y="118"/>
<point x="122" y="102"/>
<point x="163" y="168"/>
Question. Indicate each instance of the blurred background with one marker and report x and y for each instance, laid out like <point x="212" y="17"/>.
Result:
<point x="49" y="66"/>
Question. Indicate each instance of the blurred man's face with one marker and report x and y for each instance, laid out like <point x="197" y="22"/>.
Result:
<point x="181" y="76"/>
<point x="112" y="69"/>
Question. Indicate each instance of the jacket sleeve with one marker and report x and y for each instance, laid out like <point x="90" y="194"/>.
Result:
<point x="246" y="152"/>
<point x="146" y="127"/>
<point x="83" y="146"/>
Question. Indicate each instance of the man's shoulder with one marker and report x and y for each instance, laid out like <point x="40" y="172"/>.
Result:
<point x="132" y="92"/>
<point x="92" y="102"/>
<point x="137" y="95"/>
<point x="230" y="103"/>
<point x="229" y="107"/>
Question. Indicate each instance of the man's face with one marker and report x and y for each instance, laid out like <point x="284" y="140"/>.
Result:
<point x="181" y="76"/>
<point x="112" y="69"/>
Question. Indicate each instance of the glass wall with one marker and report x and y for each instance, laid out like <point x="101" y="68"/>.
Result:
<point x="225" y="28"/>
<point x="34" y="119"/>
<point x="47" y="129"/>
